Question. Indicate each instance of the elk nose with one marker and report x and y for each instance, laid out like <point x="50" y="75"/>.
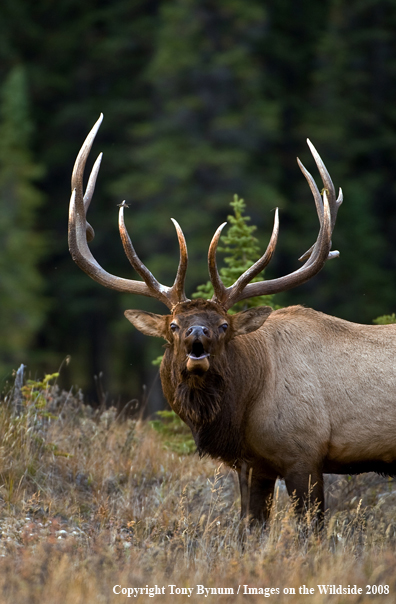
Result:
<point x="197" y="331"/>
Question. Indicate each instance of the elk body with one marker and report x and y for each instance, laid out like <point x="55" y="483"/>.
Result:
<point x="291" y="393"/>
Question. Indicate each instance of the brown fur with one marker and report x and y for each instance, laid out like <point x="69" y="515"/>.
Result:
<point x="302" y="394"/>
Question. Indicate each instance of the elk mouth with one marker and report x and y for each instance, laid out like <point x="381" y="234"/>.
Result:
<point x="197" y="351"/>
<point x="198" y="359"/>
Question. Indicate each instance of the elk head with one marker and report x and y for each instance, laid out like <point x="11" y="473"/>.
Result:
<point x="197" y="331"/>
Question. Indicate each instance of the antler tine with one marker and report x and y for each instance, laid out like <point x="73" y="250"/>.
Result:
<point x="323" y="242"/>
<point x="177" y="288"/>
<point x="328" y="185"/>
<point x="227" y="295"/>
<point x="315" y="259"/>
<point x="219" y="289"/>
<point x="168" y="295"/>
<point x="79" y="165"/>
<point x="318" y="203"/>
<point x="132" y="256"/>
<point x="316" y="248"/>
<point x="82" y="202"/>
<point x="324" y="174"/>
<point x="92" y="182"/>
<point x="314" y="189"/>
<point x="80" y="232"/>
<point x="89" y="193"/>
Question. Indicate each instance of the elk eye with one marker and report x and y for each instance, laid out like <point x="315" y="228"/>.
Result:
<point x="174" y="327"/>
<point x="223" y="327"/>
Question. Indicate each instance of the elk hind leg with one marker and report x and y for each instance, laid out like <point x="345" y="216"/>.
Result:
<point x="306" y="488"/>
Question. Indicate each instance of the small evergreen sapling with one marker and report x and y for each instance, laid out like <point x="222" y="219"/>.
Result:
<point x="242" y="250"/>
<point x="385" y="319"/>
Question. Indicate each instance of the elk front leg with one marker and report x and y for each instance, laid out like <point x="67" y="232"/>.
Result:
<point x="256" y="492"/>
<point x="307" y="490"/>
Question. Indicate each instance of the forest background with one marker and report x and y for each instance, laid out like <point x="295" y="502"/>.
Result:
<point x="203" y="99"/>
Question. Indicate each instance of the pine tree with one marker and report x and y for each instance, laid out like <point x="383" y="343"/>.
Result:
<point x="208" y="122"/>
<point x="350" y="119"/>
<point x="21" y="286"/>
<point x="243" y="250"/>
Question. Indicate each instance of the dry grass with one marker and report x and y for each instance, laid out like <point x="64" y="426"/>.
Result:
<point x="88" y="501"/>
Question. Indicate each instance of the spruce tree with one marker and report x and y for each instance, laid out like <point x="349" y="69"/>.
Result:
<point x="21" y="286"/>
<point x="243" y="250"/>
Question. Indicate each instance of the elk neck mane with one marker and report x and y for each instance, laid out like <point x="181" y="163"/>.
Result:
<point x="208" y="404"/>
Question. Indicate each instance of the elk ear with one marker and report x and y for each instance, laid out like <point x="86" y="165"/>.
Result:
<point x="249" y="320"/>
<point x="148" y="323"/>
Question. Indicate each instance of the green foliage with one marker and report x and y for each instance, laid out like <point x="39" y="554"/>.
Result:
<point x="385" y="319"/>
<point x="157" y="361"/>
<point x="200" y="100"/>
<point x="36" y="395"/>
<point x="243" y="250"/>
<point x="36" y="414"/>
<point x="21" y="285"/>
<point x="174" y="432"/>
<point x="25" y="430"/>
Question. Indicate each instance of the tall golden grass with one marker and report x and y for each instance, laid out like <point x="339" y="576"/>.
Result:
<point x="90" y="500"/>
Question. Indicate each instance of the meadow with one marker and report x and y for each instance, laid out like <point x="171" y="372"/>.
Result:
<point x="94" y="503"/>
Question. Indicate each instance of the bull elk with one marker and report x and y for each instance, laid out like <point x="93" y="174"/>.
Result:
<point x="291" y="393"/>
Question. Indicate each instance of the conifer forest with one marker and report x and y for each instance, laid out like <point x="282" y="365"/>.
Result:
<point x="202" y="100"/>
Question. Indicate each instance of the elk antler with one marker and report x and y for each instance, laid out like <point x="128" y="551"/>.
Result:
<point x="315" y="257"/>
<point x="81" y="232"/>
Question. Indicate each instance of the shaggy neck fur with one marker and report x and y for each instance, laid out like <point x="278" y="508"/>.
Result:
<point x="209" y="407"/>
<point x="199" y="397"/>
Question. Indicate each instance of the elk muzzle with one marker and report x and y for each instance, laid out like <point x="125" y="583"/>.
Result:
<point x="197" y="342"/>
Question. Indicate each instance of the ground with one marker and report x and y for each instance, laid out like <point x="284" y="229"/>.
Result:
<point x="92" y="502"/>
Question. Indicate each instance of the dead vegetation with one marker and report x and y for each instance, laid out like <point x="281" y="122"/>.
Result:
<point x="89" y="501"/>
